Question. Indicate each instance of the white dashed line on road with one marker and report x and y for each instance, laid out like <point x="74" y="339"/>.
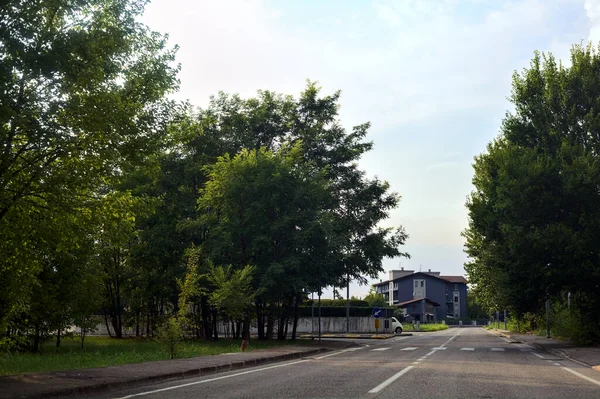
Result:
<point x="497" y="349"/>
<point x="538" y="355"/>
<point x="467" y="349"/>
<point x="379" y="349"/>
<point x="440" y="348"/>
<point x="391" y="379"/>
<point x="409" y="349"/>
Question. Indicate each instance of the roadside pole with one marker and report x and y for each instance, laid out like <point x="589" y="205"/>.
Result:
<point x="312" y="314"/>
<point x="547" y="318"/>
<point x="505" y="318"/>
<point x="347" y="303"/>
<point x="319" y="313"/>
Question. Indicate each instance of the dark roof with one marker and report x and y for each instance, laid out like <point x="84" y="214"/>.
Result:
<point x="403" y="304"/>
<point x="454" y="279"/>
<point x="450" y="279"/>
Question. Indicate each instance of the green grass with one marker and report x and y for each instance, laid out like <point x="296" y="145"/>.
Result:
<point x="426" y="327"/>
<point x="105" y="351"/>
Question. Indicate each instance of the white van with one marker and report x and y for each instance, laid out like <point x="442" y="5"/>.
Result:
<point x="396" y="326"/>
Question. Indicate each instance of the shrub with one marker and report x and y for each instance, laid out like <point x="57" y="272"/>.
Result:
<point x="171" y="334"/>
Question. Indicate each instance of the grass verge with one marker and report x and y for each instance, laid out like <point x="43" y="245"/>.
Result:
<point x="426" y="327"/>
<point x="105" y="351"/>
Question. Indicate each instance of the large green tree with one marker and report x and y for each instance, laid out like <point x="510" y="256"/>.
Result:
<point x="82" y="88"/>
<point x="266" y="209"/>
<point x="535" y="211"/>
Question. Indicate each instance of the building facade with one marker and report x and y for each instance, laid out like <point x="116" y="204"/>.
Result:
<point x="426" y="295"/>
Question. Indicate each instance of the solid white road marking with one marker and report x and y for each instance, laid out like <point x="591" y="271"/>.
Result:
<point x="332" y="354"/>
<point x="409" y="349"/>
<point x="379" y="349"/>
<point x="213" y="379"/>
<point x="391" y="379"/>
<point x="556" y="364"/>
<point x="582" y="376"/>
<point x="430" y="353"/>
<point x="467" y="349"/>
<point x="538" y="355"/>
<point x="497" y="349"/>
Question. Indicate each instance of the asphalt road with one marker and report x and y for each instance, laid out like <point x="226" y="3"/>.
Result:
<point x="455" y="363"/>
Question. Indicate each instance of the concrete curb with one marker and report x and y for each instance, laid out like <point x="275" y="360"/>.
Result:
<point x="133" y="382"/>
<point x="553" y="352"/>
<point x="560" y="353"/>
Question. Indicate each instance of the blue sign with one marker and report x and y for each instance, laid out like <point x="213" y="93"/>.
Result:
<point x="376" y="313"/>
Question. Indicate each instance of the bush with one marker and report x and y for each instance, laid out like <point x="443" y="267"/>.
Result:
<point x="171" y="334"/>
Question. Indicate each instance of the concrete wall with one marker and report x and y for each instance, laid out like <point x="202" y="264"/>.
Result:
<point x="337" y="324"/>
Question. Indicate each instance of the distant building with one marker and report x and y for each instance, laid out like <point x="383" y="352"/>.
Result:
<point x="425" y="295"/>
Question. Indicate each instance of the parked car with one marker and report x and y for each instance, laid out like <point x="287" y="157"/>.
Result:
<point x="396" y="326"/>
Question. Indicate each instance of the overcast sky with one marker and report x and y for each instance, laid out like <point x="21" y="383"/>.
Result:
<point x="431" y="76"/>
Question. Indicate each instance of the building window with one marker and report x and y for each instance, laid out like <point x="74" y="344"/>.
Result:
<point x="416" y="283"/>
<point x="456" y="299"/>
<point x="422" y="283"/>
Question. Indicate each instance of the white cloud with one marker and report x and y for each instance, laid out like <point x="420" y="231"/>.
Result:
<point x="592" y="8"/>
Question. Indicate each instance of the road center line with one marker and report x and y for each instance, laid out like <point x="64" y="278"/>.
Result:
<point x="213" y="379"/>
<point x="538" y="355"/>
<point x="335" y="353"/>
<point x="581" y="376"/>
<point x="451" y="338"/>
<point x="391" y="379"/>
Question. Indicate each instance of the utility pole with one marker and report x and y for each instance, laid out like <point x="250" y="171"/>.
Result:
<point x="312" y="314"/>
<point x="547" y="318"/>
<point x="347" y="303"/>
<point x="319" y="313"/>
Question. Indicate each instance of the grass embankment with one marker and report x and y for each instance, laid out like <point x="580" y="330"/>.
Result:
<point x="425" y="327"/>
<point x="105" y="351"/>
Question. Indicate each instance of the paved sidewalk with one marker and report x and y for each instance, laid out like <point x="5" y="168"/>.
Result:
<point x="102" y="379"/>
<point x="585" y="355"/>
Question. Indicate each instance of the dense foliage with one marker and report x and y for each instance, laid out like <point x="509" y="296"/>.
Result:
<point x="535" y="212"/>
<point x="117" y="202"/>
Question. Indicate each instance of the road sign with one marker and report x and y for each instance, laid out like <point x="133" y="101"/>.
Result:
<point x="376" y="313"/>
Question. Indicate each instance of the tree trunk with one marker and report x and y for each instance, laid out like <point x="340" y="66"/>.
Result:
<point x="260" y="321"/>
<point x="270" y="325"/>
<point x="107" y="326"/>
<point x="246" y="328"/>
<point x="36" y="339"/>
<point x="296" y="310"/>
<point x="58" y="338"/>
<point x="214" y="325"/>
<point x="205" y="318"/>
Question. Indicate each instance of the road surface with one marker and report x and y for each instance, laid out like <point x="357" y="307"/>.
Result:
<point x="455" y="363"/>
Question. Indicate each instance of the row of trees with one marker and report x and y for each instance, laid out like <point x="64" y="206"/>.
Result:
<point x="117" y="201"/>
<point x="534" y="217"/>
